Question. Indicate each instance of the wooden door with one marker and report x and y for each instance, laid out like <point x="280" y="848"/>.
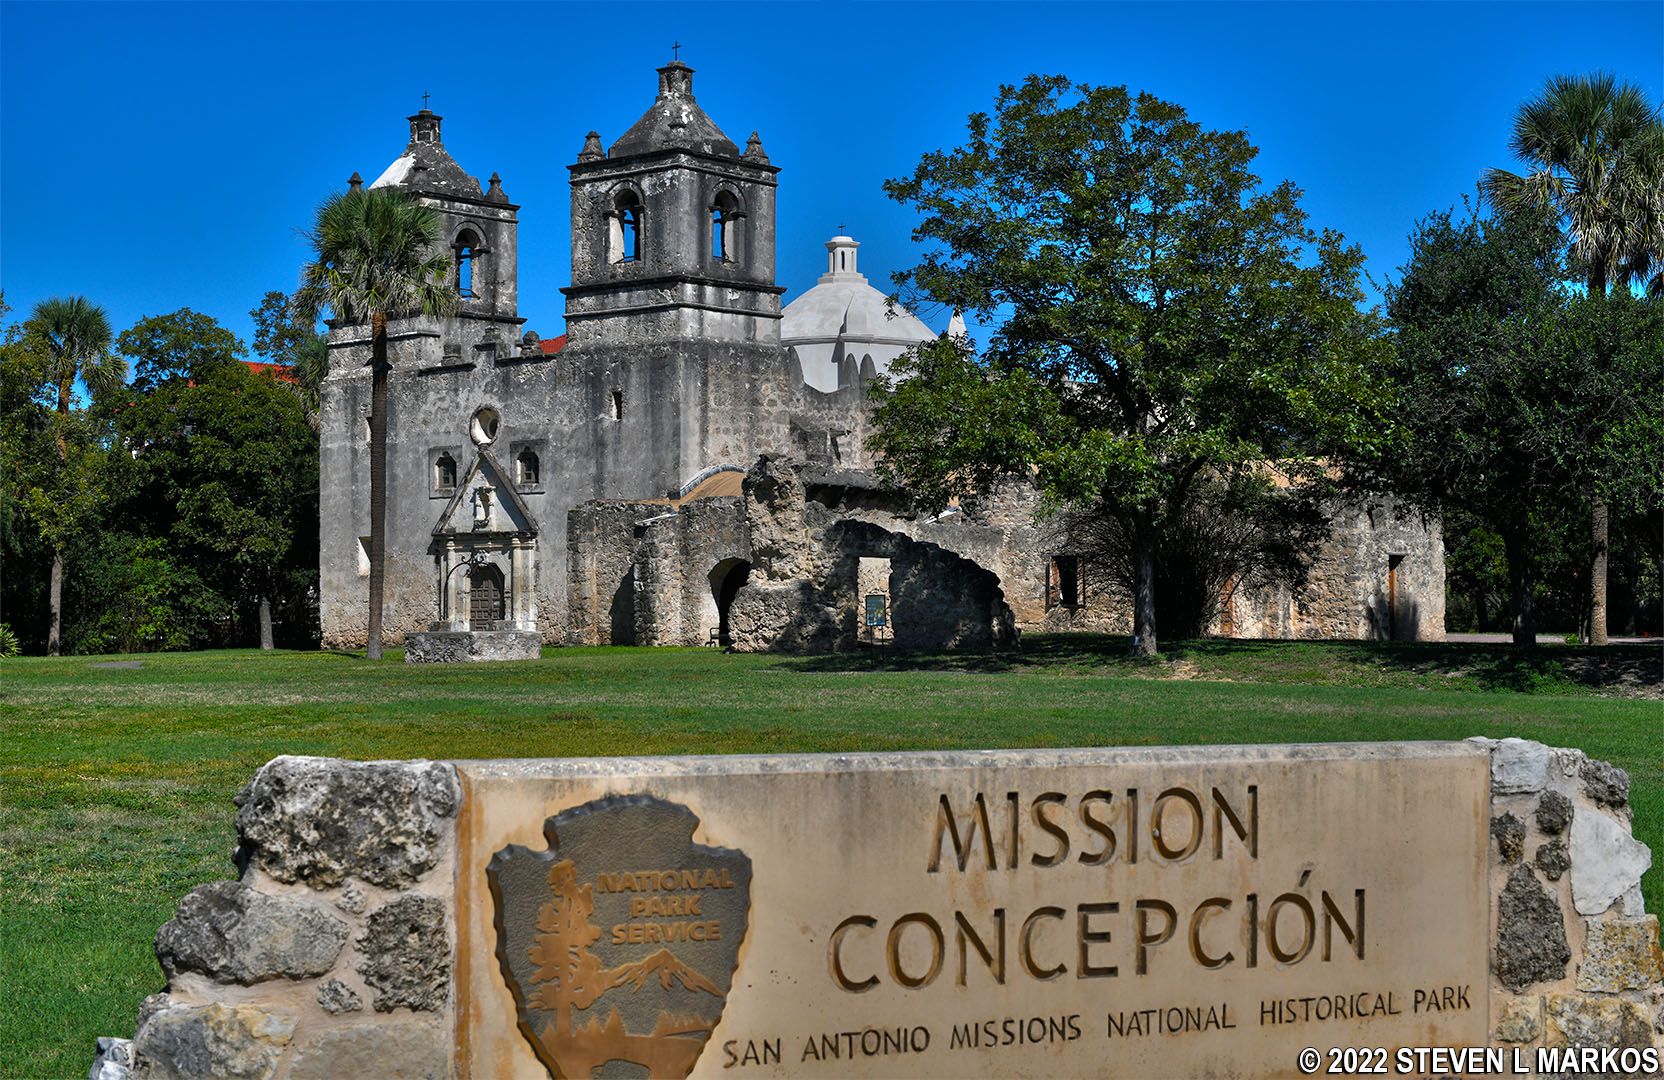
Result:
<point x="485" y="596"/>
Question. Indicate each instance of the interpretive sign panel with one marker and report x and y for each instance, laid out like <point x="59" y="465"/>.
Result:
<point x="1171" y="911"/>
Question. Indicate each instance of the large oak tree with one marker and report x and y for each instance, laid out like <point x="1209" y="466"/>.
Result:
<point x="1164" y="320"/>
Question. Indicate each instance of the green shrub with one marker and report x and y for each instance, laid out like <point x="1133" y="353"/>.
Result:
<point x="133" y="596"/>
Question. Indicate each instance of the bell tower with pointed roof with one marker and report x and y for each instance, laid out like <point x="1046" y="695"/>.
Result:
<point x="673" y="229"/>
<point x="480" y="225"/>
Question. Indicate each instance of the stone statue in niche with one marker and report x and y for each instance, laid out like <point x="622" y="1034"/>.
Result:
<point x="482" y="507"/>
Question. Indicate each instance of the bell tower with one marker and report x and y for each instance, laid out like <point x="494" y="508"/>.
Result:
<point x="673" y="229"/>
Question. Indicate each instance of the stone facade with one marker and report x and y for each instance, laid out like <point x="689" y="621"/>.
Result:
<point x="335" y="952"/>
<point x="673" y="370"/>
<point x="673" y="366"/>
<point x="812" y="544"/>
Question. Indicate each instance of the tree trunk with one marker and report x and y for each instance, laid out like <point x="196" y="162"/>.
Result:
<point x="1598" y="514"/>
<point x="1597" y="573"/>
<point x="56" y="594"/>
<point x="378" y="479"/>
<point x="1519" y="576"/>
<point x="1144" y="592"/>
<point x="265" y="623"/>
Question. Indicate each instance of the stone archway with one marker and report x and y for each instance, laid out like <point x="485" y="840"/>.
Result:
<point x="726" y="578"/>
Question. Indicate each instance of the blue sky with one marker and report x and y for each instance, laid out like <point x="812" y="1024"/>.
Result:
<point x="157" y="156"/>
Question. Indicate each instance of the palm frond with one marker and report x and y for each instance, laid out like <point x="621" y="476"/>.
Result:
<point x="376" y="250"/>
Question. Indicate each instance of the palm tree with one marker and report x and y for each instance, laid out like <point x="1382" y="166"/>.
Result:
<point x="377" y="256"/>
<point x="74" y="335"/>
<point x="1596" y="152"/>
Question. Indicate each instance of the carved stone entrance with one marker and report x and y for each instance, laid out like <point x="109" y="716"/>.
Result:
<point x="485" y="548"/>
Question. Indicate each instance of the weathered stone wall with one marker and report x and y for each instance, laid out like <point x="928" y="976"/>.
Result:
<point x="1379" y="576"/>
<point x="1576" y="958"/>
<point x="797" y="525"/>
<point x="333" y="953"/>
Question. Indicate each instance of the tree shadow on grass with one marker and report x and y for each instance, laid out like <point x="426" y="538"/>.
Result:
<point x="1630" y="670"/>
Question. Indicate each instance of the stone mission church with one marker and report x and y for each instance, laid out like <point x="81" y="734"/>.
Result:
<point x="687" y="464"/>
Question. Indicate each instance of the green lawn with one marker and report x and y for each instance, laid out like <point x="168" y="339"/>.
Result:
<point x="116" y="784"/>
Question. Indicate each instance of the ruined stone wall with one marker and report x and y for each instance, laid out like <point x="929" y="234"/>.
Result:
<point x="805" y="594"/>
<point x="333" y="953"/>
<point x="601" y="584"/>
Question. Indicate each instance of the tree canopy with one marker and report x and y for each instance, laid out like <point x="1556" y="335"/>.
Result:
<point x="1519" y="398"/>
<point x="1163" y="318"/>
<point x="183" y="345"/>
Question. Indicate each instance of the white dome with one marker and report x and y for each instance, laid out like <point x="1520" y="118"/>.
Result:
<point x="845" y="316"/>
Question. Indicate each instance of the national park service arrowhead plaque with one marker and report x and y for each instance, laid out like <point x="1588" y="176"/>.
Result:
<point x="619" y="941"/>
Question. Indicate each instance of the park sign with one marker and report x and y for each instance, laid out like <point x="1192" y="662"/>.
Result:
<point x="1165" y="911"/>
<point x="1212" y="912"/>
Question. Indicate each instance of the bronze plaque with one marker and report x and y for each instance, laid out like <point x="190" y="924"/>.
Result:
<point x="619" y="941"/>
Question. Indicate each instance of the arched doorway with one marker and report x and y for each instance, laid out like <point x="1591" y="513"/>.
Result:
<point x="726" y="578"/>
<point x="485" y="596"/>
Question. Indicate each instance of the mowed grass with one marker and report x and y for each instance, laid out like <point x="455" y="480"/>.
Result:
<point x="116" y="783"/>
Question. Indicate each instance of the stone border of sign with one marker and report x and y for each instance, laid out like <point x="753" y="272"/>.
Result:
<point x="333" y="953"/>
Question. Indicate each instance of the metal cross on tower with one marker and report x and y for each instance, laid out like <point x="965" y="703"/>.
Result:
<point x="425" y="96"/>
<point x="676" y="51"/>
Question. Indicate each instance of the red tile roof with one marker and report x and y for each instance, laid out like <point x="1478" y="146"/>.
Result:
<point x="551" y="346"/>
<point x="281" y="372"/>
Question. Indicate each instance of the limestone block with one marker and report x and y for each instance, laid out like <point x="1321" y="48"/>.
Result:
<point x="1607" y="862"/>
<point x="236" y="1042"/>
<point x="1576" y="1020"/>
<point x="471" y="646"/>
<point x="1606" y="784"/>
<point x="1553" y="859"/>
<point x="385" y="1050"/>
<point x="1531" y="933"/>
<point x="1621" y="955"/>
<point x="321" y="821"/>
<point x="1509" y="832"/>
<point x="406" y="954"/>
<point x="1517" y="1021"/>
<point x="113" y="1061"/>
<point x="1518" y="766"/>
<point x="1554" y="813"/>
<point x="337" y="997"/>
<point x="232" y="933"/>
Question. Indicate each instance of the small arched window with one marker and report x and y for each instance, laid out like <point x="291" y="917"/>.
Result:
<point x="725" y="224"/>
<point x="467" y="253"/>
<point x="444" y="472"/>
<point x="618" y="404"/>
<point x="627" y="219"/>
<point x="525" y="468"/>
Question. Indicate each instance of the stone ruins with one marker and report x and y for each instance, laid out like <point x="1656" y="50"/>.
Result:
<point x="687" y="463"/>
<point x="1201" y="911"/>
